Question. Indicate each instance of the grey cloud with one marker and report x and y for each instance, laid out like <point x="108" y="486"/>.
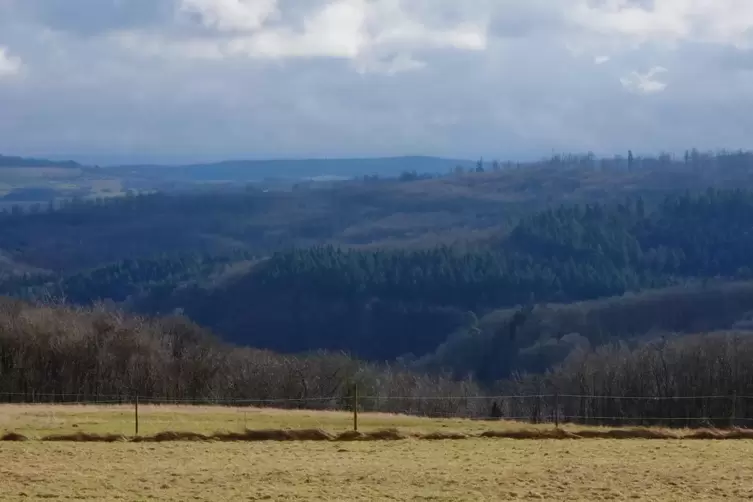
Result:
<point x="92" y="17"/>
<point x="127" y="80"/>
<point x="535" y="17"/>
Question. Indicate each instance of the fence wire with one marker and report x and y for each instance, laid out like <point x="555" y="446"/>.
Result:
<point x="613" y="410"/>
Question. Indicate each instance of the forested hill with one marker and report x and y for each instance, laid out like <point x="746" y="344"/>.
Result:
<point x="410" y="212"/>
<point x="417" y="269"/>
<point x="387" y="303"/>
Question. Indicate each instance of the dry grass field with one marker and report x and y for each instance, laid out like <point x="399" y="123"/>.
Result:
<point x="471" y="469"/>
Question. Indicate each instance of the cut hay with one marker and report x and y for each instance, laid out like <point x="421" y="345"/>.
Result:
<point x="530" y="434"/>
<point x="13" y="436"/>
<point x="83" y="437"/>
<point x="633" y="433"/>
<point x="738" y="433"/>
<point x="710" y="434"/>
<point x="171" y="436"/>
<point x="380" y="435"/>
<point x="310" y="435"/>
<point x="440" y="436"/>
<point x="385" y="435"/>
<point x="350" y="436"/>
<point x="274" y="435"/>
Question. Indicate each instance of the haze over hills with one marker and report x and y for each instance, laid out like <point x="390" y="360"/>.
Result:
<point x="258" y="170"/>
<point x="20" y="162"/>
<point x="28" y="181"/>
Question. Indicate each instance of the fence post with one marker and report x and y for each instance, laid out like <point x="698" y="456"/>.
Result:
<point x="355" y="407"/>
<point x="557" y="410"/>
<point x="733" y="417"/>
<point x="136" y="414"/>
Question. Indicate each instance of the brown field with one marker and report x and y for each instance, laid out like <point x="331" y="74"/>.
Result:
<point x="470" y="469"/>
<point x="36" y="421"/>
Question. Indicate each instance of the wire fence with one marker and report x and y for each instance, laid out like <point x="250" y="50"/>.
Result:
<point x="717" y="411"/>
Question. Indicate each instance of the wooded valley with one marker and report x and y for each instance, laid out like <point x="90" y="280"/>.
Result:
<point x="483" y="278"/>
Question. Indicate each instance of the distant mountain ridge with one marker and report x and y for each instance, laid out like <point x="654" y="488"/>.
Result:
<point x="254" y="170"/>
<point x="251" y="170"/>
<point x="14" y="161"/>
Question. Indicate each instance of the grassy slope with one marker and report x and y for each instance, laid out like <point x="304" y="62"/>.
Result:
<point x="40" y="420"/>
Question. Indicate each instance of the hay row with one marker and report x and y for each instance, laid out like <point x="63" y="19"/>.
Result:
<point x="393" y="435"/>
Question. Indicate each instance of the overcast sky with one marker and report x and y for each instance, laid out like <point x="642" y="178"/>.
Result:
<point x="199" y="79"/>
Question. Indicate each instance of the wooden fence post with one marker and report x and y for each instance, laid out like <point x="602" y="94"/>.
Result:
<point x="557" y="410"/>
<point x="355" y="407"/>
<point x="136" y="414"/>
<point x="733" y="418"/>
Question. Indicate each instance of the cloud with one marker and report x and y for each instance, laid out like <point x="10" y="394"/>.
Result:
<point x="90" y="18"/>
<point x="9" y="65"/>
<point x="644" y="83"/>
<point x="269" y="78"/>
<point x="379" y="36"/>
<point x="231" y="15"/>
<point x="718" y="22"/>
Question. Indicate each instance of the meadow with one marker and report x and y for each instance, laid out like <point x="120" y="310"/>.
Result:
<point x="476" y="468"/>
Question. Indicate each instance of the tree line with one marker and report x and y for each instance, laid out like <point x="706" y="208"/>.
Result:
<point x="688" y="381"/>
<point x="124" y="280"/>
<point x="62" y="354"/>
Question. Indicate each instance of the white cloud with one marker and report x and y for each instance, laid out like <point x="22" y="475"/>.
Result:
<point x="601" y="59"/>
<point x="709" y="21"/>
<point x="645" y="83"/>
<point x="376" y="35"/>
<point x="337" y="30"/>
<point x="9" y="65"/>
<point x="232" y="15"/>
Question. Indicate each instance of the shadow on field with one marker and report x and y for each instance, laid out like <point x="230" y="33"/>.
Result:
<point x="396" y="435"/>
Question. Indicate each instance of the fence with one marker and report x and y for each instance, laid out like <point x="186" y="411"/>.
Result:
<point x="718" y="411"/>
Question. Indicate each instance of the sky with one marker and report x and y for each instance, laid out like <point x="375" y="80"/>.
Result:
<point x="181" y="80"/>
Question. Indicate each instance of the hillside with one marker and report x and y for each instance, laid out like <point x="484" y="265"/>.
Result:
<point x="454" y="209"/>
<point x="539" y="337"/>
<point x="384" y="304"/>
<point x="403" y="268"/>
<point x="34" y="183"/>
